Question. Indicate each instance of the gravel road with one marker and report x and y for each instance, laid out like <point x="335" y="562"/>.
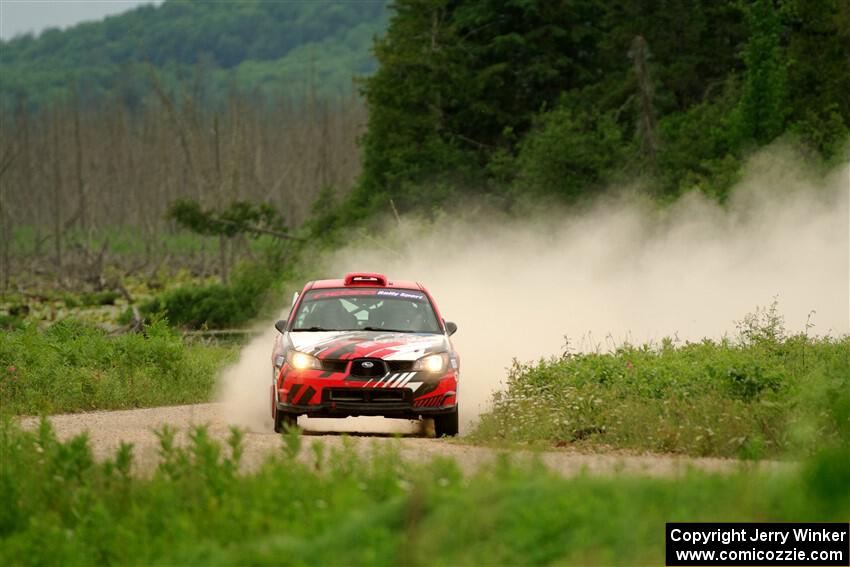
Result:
<point x="107" y="429"/>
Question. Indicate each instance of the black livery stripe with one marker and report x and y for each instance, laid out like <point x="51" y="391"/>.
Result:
<point x="426" y="388"/>
<point x="293" y="393"/>
<point x="348" y="346"/>
<point x="334" y="365"/>
<point x="331" y="367"/>
<point x="306" y="396"/>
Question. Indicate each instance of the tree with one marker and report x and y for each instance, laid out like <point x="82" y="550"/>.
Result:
<point x="570" y="153"/>
<point x="695" y="45"/>
<point x="819" y="71"/>
<point x="764" y="108"/>
<point x="646" y="123"/>
<point x="239" y="218"/>
<point x="461" y="82"/>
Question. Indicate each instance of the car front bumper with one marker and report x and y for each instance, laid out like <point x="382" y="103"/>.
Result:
<point x="305" y="394"/>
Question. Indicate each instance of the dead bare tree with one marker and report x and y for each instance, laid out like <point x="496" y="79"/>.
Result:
<point x="7" y="157"/>
<point x="646" y="125"/>
<point x="83" y="171"/>
<point x="56" y="158"/>
<point x="82" y="209"/>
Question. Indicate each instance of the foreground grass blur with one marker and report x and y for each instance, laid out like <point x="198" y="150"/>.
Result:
<point x="349" y="506"/>
<point x="71" y="366"/>
<point x="764" y="394"/>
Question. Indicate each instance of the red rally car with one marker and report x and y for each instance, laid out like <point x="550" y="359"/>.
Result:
<point x="364" y="345"/>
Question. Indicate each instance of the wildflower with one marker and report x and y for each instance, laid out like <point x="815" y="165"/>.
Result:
<point x="11" y="369"/>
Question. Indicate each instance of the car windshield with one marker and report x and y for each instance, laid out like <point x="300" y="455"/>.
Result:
<point x="366" y="309"/>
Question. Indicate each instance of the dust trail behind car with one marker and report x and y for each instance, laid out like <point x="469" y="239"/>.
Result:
<point x="619" y="270"/>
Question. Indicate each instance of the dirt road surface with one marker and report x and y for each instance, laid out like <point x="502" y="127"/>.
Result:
<point x="108" y="429"/>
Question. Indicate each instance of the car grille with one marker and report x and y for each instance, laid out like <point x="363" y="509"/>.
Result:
<point x="367" y="395"/>
<point x="368" y="368"/>
<point x="392" y="366"/>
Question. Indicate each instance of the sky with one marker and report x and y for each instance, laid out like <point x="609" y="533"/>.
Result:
<point x="22" y="16"/>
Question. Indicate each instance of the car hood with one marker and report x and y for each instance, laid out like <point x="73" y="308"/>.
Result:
<point x="368" y="344"/>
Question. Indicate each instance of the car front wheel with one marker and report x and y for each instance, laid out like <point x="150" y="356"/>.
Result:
<point x="446" y="425"/>
<point x="284" y="420"/>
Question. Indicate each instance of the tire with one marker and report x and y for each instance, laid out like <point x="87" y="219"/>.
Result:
<point x="284" y="420"/>
<point x="446" y="425"/>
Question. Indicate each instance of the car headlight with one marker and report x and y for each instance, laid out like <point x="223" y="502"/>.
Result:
<point x="432" y="363"/>
<point x="302" y="360"/>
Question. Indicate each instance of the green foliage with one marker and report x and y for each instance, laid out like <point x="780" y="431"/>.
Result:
<point x="240" y="217"/>
<point x="693" y="48"/>
<point x="105" y="297"/>
<point x="262" y="45"/>
<point x="458" y="82"/>
<point x="237" y="301"/>
<point x="217" y="306"/>
<point x="74" y="367"/>
<point x="697" y="150"/>
<point x="763" y="109"/>
<point x="10" y="322"/>
<point x="369" y="507"/>
<point x="466" y="98"/>
<point x="824" y="130"/>
<point x="764" y="395"/>
<point x="818" y="51"/>
<point x="570" y="153"/>
<point x="477" y="100"/>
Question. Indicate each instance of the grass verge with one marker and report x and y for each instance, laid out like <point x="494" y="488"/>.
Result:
<point x="72" y="366"/>
<point x="347" y="506"/>
<point x="762" y="395"/>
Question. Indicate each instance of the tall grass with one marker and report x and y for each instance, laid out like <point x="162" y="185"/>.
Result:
<point x="355" y="507"/>
<point x="71" y="366"/>
<point x="763" y="394"/>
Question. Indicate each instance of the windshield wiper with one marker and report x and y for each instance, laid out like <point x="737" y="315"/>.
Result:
<point x="309" y="329"/>
<point x="385" y="330"/>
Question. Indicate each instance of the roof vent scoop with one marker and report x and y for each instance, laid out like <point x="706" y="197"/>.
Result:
<point x="365" y="278"/>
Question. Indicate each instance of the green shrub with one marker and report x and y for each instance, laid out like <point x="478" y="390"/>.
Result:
<point x="570" y="152"/>
<point x="106" y="297"/>
<point x="216" y="306"/>
<point x="10" y="322"/>
<point x="697" y="151"/>
<point x="74" y="367"/>
<point x="762" y="395"/>
<point x="364" y="507"/>
<point x="824" y="129"/>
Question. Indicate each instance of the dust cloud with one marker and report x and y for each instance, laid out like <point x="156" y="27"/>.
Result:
<point x="619" y="270"/>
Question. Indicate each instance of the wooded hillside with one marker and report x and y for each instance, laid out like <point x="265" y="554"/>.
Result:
<point x="274" y="47"/>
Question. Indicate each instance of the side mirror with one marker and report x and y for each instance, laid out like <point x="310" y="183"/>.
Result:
<point x="280" y="325"/>
<point x="451" y="327"/>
